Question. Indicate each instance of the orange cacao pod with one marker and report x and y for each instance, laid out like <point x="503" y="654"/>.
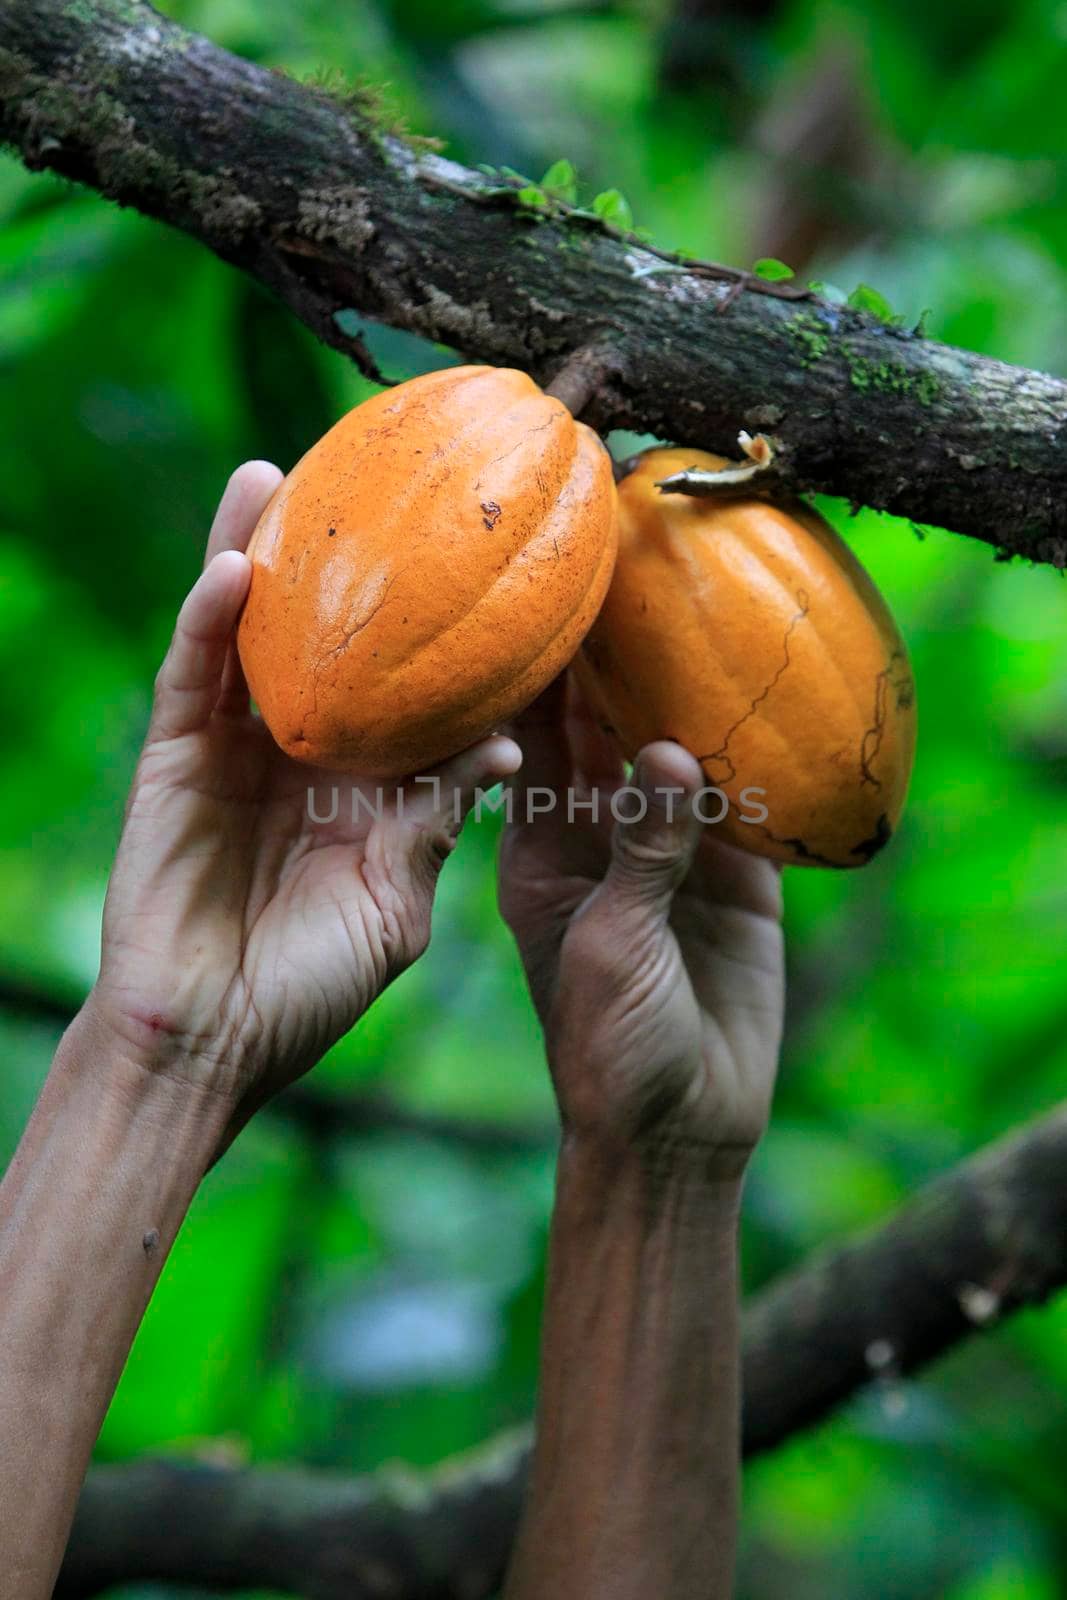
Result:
<point x="425" y="570"/>
<point x="749" y="633"/>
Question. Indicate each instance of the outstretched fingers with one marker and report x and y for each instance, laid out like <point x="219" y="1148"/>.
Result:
<point x="201" y="672"/>
<point x="190" y="680"/>
<point x="243" y="502"/>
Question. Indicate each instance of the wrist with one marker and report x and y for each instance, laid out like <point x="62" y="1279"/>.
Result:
<point x="650" y="1180"/>
<point x="683" y="1143"/>
<point x="146" y="1054"/>
<point x="132" y="1082"/>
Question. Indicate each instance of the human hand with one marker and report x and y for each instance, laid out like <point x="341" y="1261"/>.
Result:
<point x="653" y="950"/>
<point x="241" y="937"/>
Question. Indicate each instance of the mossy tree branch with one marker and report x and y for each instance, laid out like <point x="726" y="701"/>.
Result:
<point x="341" y="219"/>
<point x="977" y="1244"/>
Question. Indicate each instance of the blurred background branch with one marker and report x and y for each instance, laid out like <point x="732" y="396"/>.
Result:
<point x="325" y="1113"/>
<point x="309" y="193"/>
<point x="975" y="1245"/>
<point x="434" y="1536"/>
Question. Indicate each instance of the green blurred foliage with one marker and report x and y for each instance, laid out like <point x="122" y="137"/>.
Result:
<point x="378" y="1297"/>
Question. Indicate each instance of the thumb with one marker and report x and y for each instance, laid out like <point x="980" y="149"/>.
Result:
<point x="406" y="854"/>
<point x="440" y="800"/>
<point x="657" y="830"/>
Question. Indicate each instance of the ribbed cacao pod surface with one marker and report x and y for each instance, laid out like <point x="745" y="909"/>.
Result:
<point x="425" y="570"/>
<point x="750" y="633"/>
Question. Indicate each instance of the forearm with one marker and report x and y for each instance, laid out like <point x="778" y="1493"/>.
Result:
<point x="633" y="1489"/>
<point x="88" y="1210"/>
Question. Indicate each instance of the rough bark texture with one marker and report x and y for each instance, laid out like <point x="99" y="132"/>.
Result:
<point x="340" y="218"/>
<point x="975" y="1245"/>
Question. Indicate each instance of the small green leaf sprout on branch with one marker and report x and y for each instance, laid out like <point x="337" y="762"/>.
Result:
<point x="556" y="195"/>
<point x="772" y="270"/>
<point x="864" y="298"/>
<point x="560" y="182"/>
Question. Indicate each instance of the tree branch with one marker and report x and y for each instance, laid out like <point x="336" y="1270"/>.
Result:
<point x="982" y="1241"/>
<point x="325" y="1113"/>
<point x="444" y="1535"/>
<point x="343" y="220"/>
<point x="975" y="1245"/>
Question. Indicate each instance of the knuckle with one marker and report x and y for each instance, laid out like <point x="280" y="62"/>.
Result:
<point x="649" y="858"/>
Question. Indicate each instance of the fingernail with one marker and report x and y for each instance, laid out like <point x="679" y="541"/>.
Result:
<point x="511" y="760"/>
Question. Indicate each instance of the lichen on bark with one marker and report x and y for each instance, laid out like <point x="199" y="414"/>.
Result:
<point x="335" y="212"/>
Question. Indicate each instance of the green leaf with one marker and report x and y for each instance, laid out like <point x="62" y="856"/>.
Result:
<point x="534" y="197"/>
<point x="774" y="271"/>
<point x="827" y="291"/>
<point x="516" y="177"/>
<point x="612" y="206"/>
<point x="561" y="181"/>
<point x="864" y="298"/>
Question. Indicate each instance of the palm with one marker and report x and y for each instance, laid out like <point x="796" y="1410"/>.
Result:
<point x="258" y="905"/>
<point x="276" y="921"/>
<point x="674" y="1013"/>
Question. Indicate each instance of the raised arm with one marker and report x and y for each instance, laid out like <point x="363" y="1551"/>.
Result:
<point x="241" y="938"/>
<point x="654" y="957"/>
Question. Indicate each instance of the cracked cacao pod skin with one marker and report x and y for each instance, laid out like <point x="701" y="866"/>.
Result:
<point x="750" y="633"/>
<point x="425" y="570"/>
